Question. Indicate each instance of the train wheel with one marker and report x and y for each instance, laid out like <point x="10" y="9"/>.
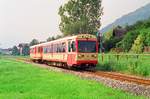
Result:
<point x="34" y="60"/>
<point x="40" y="61"/>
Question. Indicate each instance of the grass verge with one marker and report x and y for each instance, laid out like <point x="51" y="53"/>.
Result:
<point x="20" y="80"/>
<point x="132" y="64"/>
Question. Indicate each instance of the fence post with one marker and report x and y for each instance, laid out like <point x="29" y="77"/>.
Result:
<point x="117" y="57"/>
<point x="108" y="57"/>
<point x="127" y="57"/>
<point x="102" y="57"/>
<point x="137" y="56"/>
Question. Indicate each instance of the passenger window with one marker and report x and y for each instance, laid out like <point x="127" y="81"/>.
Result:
<point x="45" y="50"/>
<point x="69" y="46"/>
<point x="63" y="47"/>
<point x="73" y="46"/>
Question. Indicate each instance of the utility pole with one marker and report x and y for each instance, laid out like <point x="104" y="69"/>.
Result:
<point x="100" y="41"/>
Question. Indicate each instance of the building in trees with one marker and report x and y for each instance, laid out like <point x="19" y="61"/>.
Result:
<point x="119" y="32"/>
<point x="23" y="48"/>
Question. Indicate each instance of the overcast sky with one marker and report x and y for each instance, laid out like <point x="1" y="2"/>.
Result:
<point x="23" y="20"/>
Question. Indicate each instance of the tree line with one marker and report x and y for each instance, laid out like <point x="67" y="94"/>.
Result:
<point x="24" y="48"/>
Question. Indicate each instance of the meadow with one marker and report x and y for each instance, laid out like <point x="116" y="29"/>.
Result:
<point x="137" y="64"/>
<point x="19" y="80"/>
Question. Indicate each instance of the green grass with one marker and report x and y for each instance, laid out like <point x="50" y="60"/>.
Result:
<point x="132" y="64"/>
<point x="20" y="80"/>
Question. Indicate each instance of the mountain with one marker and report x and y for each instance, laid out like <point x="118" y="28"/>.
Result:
<point x="131" y="18"/>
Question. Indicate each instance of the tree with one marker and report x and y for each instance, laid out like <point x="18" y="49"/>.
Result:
<point x="15" y="51"/>
<point x="80" y="16"/>
<point x="137" y="47"/>
<point x="128" y="40"/>
<point x="58" y="36"/>
<point x="50" y="38"/>
<point x="42" y="42"/>
<point x="34" y="42"/>
<point x="108" y="35"/>
<point x="146" y="35"/>
<point x="111" y="43"/>
<point x="26" y="50"/>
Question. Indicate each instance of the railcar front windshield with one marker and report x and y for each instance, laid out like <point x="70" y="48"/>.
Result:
<point x="87" y="46"/>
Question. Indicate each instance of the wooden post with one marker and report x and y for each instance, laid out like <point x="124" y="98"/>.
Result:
<point x="127" y="57"/>
<point x="117" y="57"/>
<point x="102" y="57"/>
<point x="108" y="57"/>
<point x="137" y="56"/>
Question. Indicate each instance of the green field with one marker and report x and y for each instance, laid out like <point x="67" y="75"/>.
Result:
<point x="126" y="63"/>
<point x="20" y="80"/>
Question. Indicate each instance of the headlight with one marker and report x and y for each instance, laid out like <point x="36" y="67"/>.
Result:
<point x="82" y="55"/>
<point x="95" y="56"/>
<point x="79" y="55"/>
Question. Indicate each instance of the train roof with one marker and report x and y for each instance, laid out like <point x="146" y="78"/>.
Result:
<point x="79" y="36"/>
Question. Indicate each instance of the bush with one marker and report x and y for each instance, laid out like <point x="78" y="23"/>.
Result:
<point x="106" y="66"/>
<point x="146" y="35"/>
<point x="142" y="71"/>
<point x="109" y="44"/>
<point x="137" y="47"/>
<point x="132" y="66"/>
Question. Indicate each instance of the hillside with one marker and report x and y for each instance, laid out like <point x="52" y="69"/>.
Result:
<point x="135" y="38"/>
<point x="131" y="18"/>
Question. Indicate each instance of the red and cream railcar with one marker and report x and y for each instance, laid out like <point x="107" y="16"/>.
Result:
<point x="36" y="52"/>
<point x="75" y="51"/>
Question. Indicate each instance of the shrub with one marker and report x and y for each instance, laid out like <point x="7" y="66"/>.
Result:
<point x="137" y="46"/>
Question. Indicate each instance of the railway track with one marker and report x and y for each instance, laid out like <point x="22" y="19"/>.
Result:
<point x="122" y="77"/>
<point x="111" y="75"/>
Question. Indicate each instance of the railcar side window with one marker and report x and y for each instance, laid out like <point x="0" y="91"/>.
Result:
<point x="69" y="46"/>
<point x="73" y="46"/>
<point x="63" y="47"/>
<point x="55" y="48"/>
<point x="59" y="48"/>
<point x="51" y="48"/>
<point x="45" y="50"/>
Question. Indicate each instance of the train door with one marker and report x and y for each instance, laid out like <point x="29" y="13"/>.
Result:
<point x="71" y="53"/>
<point x="40" y="51"/>
<point x="36" y="52"/>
